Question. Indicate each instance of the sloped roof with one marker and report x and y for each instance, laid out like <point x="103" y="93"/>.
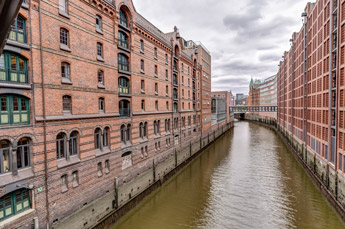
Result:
<point x="143" y="22"/>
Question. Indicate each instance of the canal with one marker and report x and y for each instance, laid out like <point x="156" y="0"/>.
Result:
<point x="248" y="179"/>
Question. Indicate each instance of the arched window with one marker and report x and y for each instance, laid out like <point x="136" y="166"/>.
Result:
<point x="143" y="105"/>
<point x="18" y="31"/>
<point x="73" y="143"/>
<point x="65" y="70"/>
<point x="128" y="133"/>
<point x="123" y="18"/>
<point x="5" y="157"/>
<point x="106" y="137"/>
<point x="124" y="108"/>
<point x="145" y="129"/>
<point x="14" y="203"/>
<point x="23" y="153"/>
<point x="123" y="134"/>
<point x="142" y="48"/>
<point x="142" y="66"/>
<point x="123" y="62"/>
<point x="123" y="40"/>
<point x="67" y="103"/>
<point x="175" y="79"/>
<point x="156" y="125"/>
<point x="14" y="110"/>
<point x="176" y="53"/>
<point x="98" y="135"/>
<point x="100" y="76"/>
<point x="155" y="53"/>
<point x="13" y="68"/>
<point x="123" y="85"/>
<point x="141" y="130"/>
<point x="175" y="107"/>
<point x="61" y="145"/>
<point x="175" y="95"/>
<point x="101" y="104"/>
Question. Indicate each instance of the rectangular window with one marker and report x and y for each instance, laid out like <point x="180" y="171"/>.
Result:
<point x="99" y="50"/>
<point x="341" y="162"/>
<point x="75" y="177"/>
<point x="67" y="103"/>
<point x="63" y="6"/>
<point x="64" y="185"/>
<point x="64" y="36"/>
<point x="98" y="22"/>
<point x="101" y="104"/>
<point x="142" y="85"/>
<point x="65" y="71"/>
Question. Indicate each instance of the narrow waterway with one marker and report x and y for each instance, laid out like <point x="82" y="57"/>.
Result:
<point x="248" y="179"/>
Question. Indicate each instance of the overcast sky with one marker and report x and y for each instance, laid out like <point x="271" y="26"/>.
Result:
<point x="246" y="38"/>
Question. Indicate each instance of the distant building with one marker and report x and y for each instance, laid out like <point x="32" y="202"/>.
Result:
<point x="221" y="107"/>
<point x="263" y="94"/>
<point x="241" y="99"/>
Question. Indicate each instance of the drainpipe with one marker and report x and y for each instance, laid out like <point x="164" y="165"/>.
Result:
<point x="44" y="119"/>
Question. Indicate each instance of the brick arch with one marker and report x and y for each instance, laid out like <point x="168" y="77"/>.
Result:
<point x="27" y="135"/>
<point x="8" y="138"/>
<point x="60" y="131"/>
<point x="126" y="8"/>
<point x="75" y="129"/>
<point x="98" y="127"/>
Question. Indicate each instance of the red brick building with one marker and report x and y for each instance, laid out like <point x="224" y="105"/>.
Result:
<point x="90" y="90"/>
<point x="311" y="82"/>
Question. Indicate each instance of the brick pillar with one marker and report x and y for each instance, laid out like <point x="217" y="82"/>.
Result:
<point x="67" y="148"/>
<point x="13" y="157"/>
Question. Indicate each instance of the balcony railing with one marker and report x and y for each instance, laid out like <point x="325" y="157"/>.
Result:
<point x="123" y="43"/>
<point x="125" y="112"/>
<point x="6" y="74"/>
<point x="124" y="90"/>
<point x="124" y="67"/>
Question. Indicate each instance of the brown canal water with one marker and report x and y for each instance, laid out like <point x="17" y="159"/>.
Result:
<point x="247" y="179"/>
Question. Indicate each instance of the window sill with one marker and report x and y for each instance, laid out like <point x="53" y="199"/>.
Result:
<point x="144" y="140"/>
<point x="98" y="152"/>
<point x="156" y="93"/>
<point x="125" y="72"/>
<point x="142" y="71"/>
<point x="101" y="86"/>
<point x="124" y="49"/>
<point x="99" y="31"/>
<point x="15" y="85"/>
<point x="61" y="163"/>
<point x="66" y="81"/>
<point x="5" y="223"/>
<point x="156" y="58"/>
<point x="64" y="14"/>
<point x="125" y="28"/>
<point x="22" y="174"/>
<point x="123" y="145"/>
<point x="99" y="58"/>
<point x="25" y="5"/>
<point x="18" y="44"/>
<point x="142" y="52"/>
<point x="64" y="189"/>
<point x="65" y="48"/>
<point x="142" y="92"/>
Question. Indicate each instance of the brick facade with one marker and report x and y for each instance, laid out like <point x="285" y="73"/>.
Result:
<point x="102" y="140"/>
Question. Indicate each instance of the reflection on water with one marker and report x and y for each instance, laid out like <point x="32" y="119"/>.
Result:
<point x="248" y="179"/>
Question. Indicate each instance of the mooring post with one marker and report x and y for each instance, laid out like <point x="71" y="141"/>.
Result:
<point x="116" y="194"/>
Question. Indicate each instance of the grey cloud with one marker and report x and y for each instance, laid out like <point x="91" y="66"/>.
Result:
<point x="246" y="38"/>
